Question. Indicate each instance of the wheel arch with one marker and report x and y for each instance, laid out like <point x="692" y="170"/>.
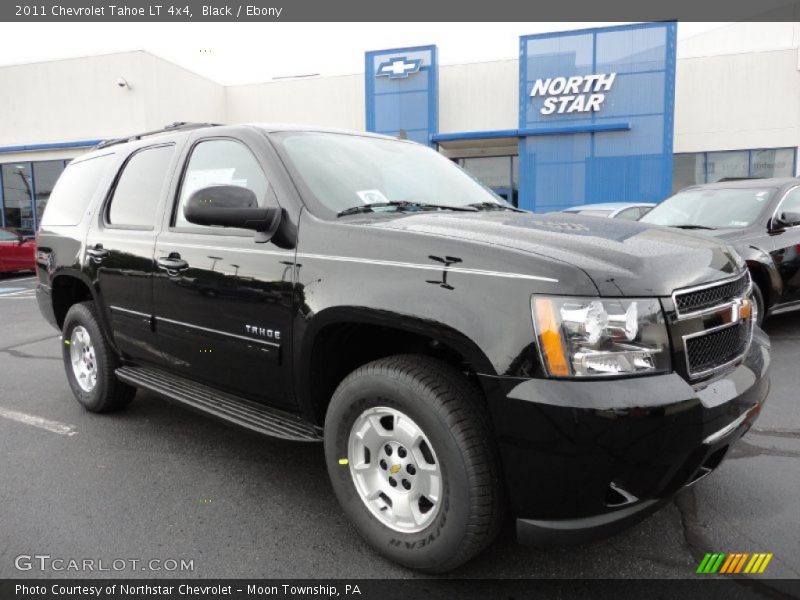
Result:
<point x="340" y="339"/>
<point x="764" y="273"/>
<point x="68" y="287"/>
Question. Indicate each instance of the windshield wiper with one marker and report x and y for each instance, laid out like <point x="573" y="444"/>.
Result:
<point x="400" y="205"/>
<point x="689" y="226"/>
<point x="493" y="206"/>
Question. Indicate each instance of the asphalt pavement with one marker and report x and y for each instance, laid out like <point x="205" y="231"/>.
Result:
<point x="156" y="481"/>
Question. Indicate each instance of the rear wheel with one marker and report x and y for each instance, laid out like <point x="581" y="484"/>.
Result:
<point x="412" y="461"/>
<point x="90" y="362"/>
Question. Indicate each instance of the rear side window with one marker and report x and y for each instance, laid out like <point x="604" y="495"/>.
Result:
<point x="74" y="190"/>
<point x="139" y="188"/>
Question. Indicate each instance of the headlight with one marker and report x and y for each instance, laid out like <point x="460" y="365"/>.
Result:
<point x="600" y="337"/>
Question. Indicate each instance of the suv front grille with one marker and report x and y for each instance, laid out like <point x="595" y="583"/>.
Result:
<point x="703" y="298"/>
<point x="715" y="334"/>
<point x="711" y="350"/>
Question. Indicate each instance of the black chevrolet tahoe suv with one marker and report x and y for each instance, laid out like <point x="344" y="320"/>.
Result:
<point x="459" y="358"/>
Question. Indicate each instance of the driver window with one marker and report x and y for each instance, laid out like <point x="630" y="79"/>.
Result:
<point x="791" y="203"/>
<point x="630" y="214"/>
<point x="221" y="162"/>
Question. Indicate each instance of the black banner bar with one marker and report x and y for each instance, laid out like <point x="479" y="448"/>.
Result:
<point x="733" y="588"/>
<point x="402" y="11"/>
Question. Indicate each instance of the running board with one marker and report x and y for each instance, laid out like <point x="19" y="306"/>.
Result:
<point x="227" y="407"/>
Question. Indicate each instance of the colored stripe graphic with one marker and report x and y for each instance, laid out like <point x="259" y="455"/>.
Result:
<point x="734" y="562"/>
<point x="728" y="563"/>
<point x="741" y="562"/>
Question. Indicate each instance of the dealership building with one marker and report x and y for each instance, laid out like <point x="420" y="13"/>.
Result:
<point x="623" y="113"/>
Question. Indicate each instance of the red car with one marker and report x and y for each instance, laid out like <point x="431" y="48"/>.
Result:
<point x="16" y="252"/>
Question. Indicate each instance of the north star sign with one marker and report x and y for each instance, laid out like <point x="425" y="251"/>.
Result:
<point x="581" y="93"/>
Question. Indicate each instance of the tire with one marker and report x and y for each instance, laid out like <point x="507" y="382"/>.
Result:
<point x="447" y="410"/>
<point x="758" y="298"/>
<point x="107" y="393"/>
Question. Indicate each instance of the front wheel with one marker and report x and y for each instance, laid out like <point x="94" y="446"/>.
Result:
<point x="412" y="462"/>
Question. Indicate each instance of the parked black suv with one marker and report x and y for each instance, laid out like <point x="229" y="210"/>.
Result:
<point x="760" y="218"/>
<point x="456" y="356"/>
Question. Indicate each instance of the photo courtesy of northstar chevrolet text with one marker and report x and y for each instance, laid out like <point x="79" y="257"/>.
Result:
<point x="341" y="306"/>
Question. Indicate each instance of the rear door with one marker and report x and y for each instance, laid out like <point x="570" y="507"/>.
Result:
<point x="223" y="302"/>
<point x="120" y="247"/>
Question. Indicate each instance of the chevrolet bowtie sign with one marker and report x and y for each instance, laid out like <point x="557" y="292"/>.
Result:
<point x="398" y="67"/>
<point x="581" y="94"/>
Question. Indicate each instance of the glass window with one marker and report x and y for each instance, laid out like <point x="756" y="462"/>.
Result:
<point x="711" y="208"/>
<point x="493" y="171"/>
<point x="687" y="170"/>
<point x="772" y="163"/>
<point x="221" y="162"/>
<point x="594" y="213"/>
<point x="791" y="203"/>
<point x="727" y="165"/>
<point x="45" y="175"/>
<point x="139" y="188"/>
<point x="74" y="190"/>
<point x="630" y="214"/>
<point x="343" y="171"/>
<point x="17" y="197"/>
<point x="7" y="236"/>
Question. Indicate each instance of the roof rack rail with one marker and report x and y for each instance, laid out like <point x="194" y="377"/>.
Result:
<point x="176" y="126"/>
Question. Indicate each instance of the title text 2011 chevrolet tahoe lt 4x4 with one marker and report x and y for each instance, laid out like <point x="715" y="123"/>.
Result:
<point x="457" y="357"/>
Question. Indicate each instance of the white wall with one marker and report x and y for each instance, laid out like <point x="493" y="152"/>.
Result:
<point x="70" y="100"/>
<point x="174" y="94"/>
<point x="79" y="99"/>
<point x="737" y="101"/>
<point x="325" y="101"/>
<point x="479" y="96"/>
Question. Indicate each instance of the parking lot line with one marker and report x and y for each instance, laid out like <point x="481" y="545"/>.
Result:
<point x="54" y="426"/>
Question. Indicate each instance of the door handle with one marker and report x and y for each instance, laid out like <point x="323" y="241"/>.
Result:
<point x="172" y="264"/>
<point x="97" y="253"/>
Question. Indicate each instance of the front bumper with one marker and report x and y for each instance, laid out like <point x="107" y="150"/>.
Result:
<point x="583" y="459"/>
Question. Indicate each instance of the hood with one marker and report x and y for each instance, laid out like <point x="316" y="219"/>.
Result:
<point x="621" y="257"/>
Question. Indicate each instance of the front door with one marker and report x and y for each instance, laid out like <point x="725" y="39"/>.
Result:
<point x="120" y="247"/>
<point x="223" y="302"/>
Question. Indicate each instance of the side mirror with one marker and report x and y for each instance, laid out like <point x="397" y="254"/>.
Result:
<point x="232" y="206"/>
<point x="788" y="219"/>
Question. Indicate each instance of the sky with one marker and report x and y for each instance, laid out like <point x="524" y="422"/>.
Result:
<point x="240" y="53"/>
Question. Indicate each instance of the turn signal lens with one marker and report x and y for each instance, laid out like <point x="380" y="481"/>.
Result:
<point x="746" y="310"/>
<point x="550" y="340"/>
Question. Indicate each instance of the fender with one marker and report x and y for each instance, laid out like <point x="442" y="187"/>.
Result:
<point x="759" y="261"/>
<point x="308" y="331"/>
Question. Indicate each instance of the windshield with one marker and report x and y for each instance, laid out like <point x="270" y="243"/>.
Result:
<point x="711" y="208"/>
<point x="342" y="171"/>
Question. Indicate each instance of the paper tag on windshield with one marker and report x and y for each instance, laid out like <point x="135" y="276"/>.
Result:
<point x="372" y="196"/>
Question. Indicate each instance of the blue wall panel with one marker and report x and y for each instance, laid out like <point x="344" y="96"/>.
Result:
<point x="561" y="170"/>
<point x="401" y="86"/>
